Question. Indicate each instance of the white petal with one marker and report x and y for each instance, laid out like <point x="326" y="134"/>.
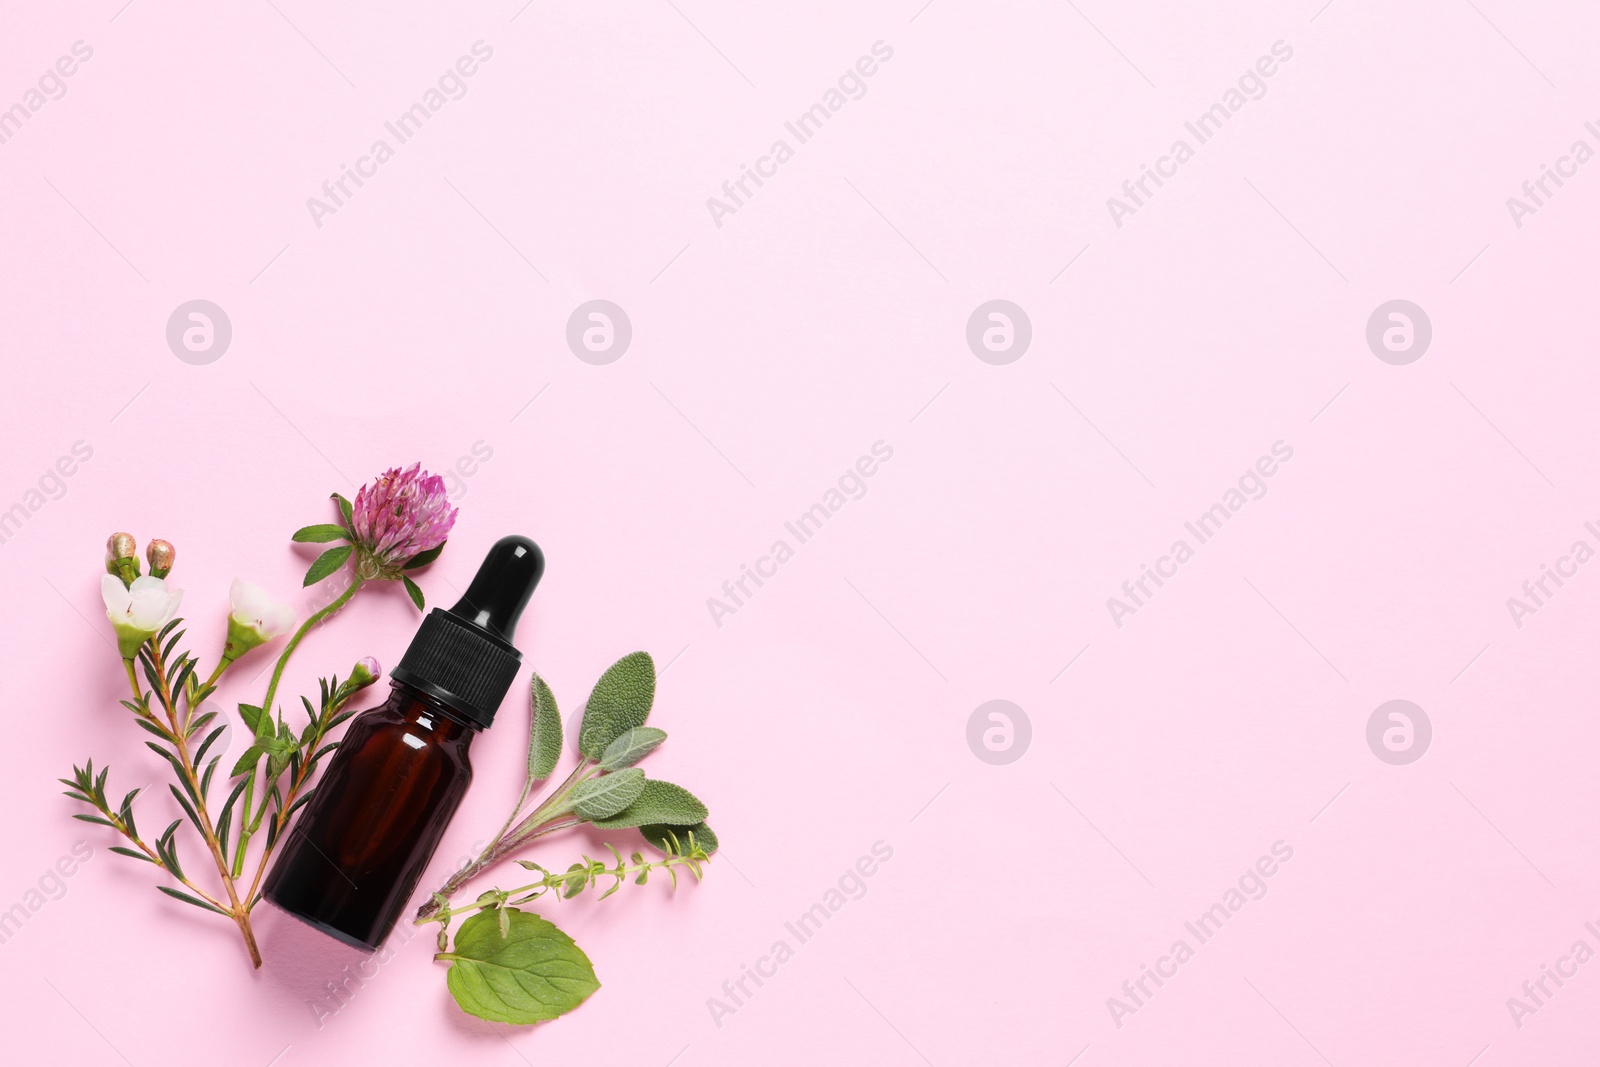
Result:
<point x="247" y="599"/>
<point x="278" y="619"/>
<point x="115" y="594"/>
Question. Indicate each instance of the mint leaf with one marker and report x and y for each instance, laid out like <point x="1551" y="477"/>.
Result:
<point x="320" y="532"/>
<point x="327" y="563"/>
<point x="544" y="734"/>
<point x="621" y="700"/>
<point x="658" y="802"/>
<point x="528" y="975"/>
<point x="631" y="747"/>
<point x="599" y="798"/>
<point x="674" y="840"/>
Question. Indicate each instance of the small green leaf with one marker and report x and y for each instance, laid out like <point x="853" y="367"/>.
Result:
<point x="531" y="974"/>
<point x="131" y="854"/>
<point x="544" y="733"/>
<point x="327" y="563"/>
<point x="345" y="509"/>
<point x="600" y="798"/>
<point x="187" y="899"/>
<point x="674" y="840"/>
<point x="415" y="591"/>
<point x="659" y="802"/>
<point x="246" y="762"/>
<point x="631" y="747"/>
<point x="319" y="533"/>
<point x="422" y="559"/>
<point x="620" y="701"/>
<point x="251" y="716"/>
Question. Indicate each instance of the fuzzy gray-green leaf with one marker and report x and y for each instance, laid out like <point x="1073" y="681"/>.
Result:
<point x="544" y="735"/>
<point x="532" y="974"/>
<point x="659" y="802"/>
<point x="603" y="797"/>
<point x="621" y="700"/>
<point x="631" y="747"/>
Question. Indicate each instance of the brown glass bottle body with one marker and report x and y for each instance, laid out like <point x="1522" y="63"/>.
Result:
<point x="351" y="862"/>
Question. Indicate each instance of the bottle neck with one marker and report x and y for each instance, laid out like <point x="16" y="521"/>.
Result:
<point x="430" y="713"/>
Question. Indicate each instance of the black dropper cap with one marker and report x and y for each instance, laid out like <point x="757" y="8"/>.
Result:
<point x="464" y="656"/>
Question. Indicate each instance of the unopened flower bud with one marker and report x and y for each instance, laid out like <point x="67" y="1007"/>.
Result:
<point x="366" y="671"/>
<point x="121" y="546"/>
<point x="161" y="555"/>
<point x="122" y="557"/>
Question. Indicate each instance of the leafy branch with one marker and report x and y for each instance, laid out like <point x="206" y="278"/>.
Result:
<point x="577" y="878"/>
<point x="274" y="776"/>
<point x="512" y="966"/>
<point x="604" y="789"/>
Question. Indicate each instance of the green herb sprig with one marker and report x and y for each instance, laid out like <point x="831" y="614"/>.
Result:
<point x="606" y="790"/>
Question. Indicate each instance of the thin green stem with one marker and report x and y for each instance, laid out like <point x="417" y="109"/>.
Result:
<point x="248" y="822"/>
<point x="560" y="879"/>
<point x="315" y="617"/>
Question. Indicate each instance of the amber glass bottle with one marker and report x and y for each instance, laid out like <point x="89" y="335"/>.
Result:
<point x="352" y="861"/>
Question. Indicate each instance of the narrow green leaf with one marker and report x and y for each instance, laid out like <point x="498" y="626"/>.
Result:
<point x="415" y="591"/>
<point x="320" y="532"/>
<point x="631" y="747"/>
<point x="133" y="854"/>
<point x="211" y="739"/>
<point x="187" y="899"/>
<point x="346" y="510"/>
<point x="600" y="798"/>
<point x="327" y="563"/>
<point x="544" y="731"/>
<point x="620" y="701"/>
<point x="659" y="802"/>
<point x="533" y="973"/>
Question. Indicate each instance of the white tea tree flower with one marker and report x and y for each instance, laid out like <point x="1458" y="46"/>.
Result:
<point x="254" y="618"/>
<point x="138" y="611"/>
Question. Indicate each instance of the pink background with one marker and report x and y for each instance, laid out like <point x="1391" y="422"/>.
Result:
<point x="428" y="314"/>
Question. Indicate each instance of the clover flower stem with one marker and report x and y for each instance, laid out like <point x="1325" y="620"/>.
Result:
<point x="247" y="823"/>
<point x="294" y="642"/>
<point x="282" y="815"/>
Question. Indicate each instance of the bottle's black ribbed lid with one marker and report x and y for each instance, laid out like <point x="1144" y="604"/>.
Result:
<point x="464" y="656"/>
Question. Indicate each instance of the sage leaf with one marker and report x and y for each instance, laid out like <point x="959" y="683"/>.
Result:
<point x="327" y="563"/>
<point x="599" y="798"/>
<point x="674" y="840"/>
<point x="531" y="974"/>
<point x="544" y="734"/>
<point x="320" y="532"/>
<point x="620" y="701"/>
<point x="631" y="747"/>
<point x="658" y="802"/>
